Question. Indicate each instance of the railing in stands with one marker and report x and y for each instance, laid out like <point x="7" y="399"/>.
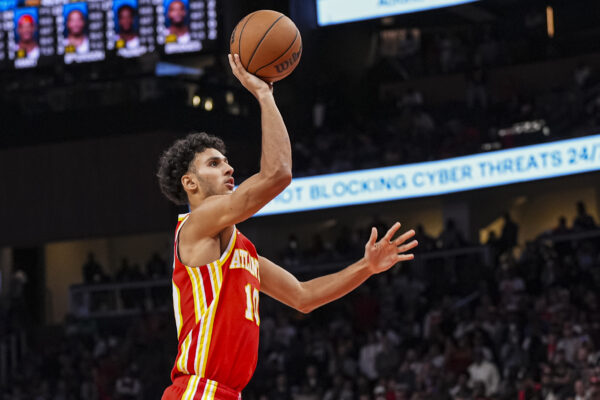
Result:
<point x="130" y="298"/>
<point x="119" y="299"/>
<point x="460" y="268"/>
<point x="573" y="236"/>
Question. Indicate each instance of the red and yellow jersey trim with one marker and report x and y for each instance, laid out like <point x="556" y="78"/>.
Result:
<point x="208" y="392"/>
<point x="206" y="282"/>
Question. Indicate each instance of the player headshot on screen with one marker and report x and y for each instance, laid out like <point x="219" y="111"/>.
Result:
<point x="26" y="29"/>
<point x="127" y="33"/>
<point x="76" y="36"/>
<point x="176" y="13"/>
<point x="217" y="272"/>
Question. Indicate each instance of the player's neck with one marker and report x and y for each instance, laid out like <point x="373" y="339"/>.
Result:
<point x="179" y="30"/>
<point x="195" y="202"/>
<point x="127" y="36"/>
<point x="28" y="46"/>
<point x="76" y="39"/>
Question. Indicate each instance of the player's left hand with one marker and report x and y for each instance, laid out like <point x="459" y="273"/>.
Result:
<point x="382" y="255"/>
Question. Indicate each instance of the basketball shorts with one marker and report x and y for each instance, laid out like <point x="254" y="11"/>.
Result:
<point x="192" y="387"/>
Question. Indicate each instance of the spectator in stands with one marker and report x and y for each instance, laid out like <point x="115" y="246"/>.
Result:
<point x="136" y="273"/>
<point x="477" y="96"/>
<point x="128" y="386"/>
<point x="586" y="256"/>
<point x="582" y="74"/>
<point x="511" y="289"/>
<point x="423" y="126"/>
<point x="386" y="362"/>
<point x="450" y="238"/>
<point x="561" y="228"/>
<point x="291" y="254"/>
<point x="447" y="54"/>
<point x="484" y="371"/>
<point x="128" y="272"/>
<point x="579" y="389"/>
<point x="583" y="221"/>
<point x="458" y="354"/>
<point x="512" y="354"/>
<point x="281" y="391"/>
<point x="311" y="387"/>
<point x="368" y="356"/>
<point x="461" y="389"/>
<point x="87" y="388"/>
<point x="568" y="345"/>
<point x="156" y="267"/>
<point x="412" y="98"/>
<point x="92" y="271"/>
<point x="426" y="242"/>
<point x="510" y="232"/>
<point x="493" y="242"/>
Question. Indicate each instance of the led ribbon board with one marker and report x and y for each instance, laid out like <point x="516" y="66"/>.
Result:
<point x="338" y="11"/>
<point x="523" y="164"/>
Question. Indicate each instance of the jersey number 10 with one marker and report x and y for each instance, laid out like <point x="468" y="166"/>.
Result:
<point x="252" y="304"/>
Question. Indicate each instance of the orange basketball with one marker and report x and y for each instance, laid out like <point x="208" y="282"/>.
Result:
<point x="268" y="43"/>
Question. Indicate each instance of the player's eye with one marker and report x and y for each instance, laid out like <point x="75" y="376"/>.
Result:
<point x="213" y="163"/>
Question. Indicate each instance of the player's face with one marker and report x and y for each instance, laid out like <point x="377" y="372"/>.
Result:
<point x="177" y="12"/>
<point x="75" y="23"/>
<point x="26" y="31"/>
<point x="126" y="20"/>
<point x="214" y="174"/>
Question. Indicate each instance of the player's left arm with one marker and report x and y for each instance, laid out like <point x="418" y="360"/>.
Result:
<point x="307" y="296"/>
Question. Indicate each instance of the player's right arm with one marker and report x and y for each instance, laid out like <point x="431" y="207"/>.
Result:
<point x="219" y="212"/>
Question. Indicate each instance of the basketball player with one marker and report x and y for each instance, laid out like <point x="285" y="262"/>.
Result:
<point x="127" y="33"/>
<point x="76" y="36"/>
<point x="177" y="14"/>
<point x="217" y="273"/>
<point x="26" y="28"/>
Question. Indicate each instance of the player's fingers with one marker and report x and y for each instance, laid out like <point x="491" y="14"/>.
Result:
<point x="404" y="237"/>
<point x="392" y="231"/>
<point x="234" y="68"/>
<point x="239" y="65"/>
<point x="406" y="247"/>
<point x="373" y="237"/>
<point x="405" y="257"/>
<point x="234" y="61"/>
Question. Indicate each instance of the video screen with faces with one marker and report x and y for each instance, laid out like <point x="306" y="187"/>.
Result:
<point x="42" y="32"/>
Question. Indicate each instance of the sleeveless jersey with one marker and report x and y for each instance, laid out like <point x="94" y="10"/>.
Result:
<point x="216" y="313"/>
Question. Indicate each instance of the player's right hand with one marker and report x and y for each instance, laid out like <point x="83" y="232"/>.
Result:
<point x="254" y="84"/>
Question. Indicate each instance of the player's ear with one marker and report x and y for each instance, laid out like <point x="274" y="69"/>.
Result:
<point x="189" y="183"/>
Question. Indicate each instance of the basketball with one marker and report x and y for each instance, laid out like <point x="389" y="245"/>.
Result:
<point x="268" y="43"/>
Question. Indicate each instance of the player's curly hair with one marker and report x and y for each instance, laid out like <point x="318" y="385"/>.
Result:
<point x="175" y="162"/>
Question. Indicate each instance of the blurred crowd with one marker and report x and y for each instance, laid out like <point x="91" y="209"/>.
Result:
<point x="155" y="268"/>
<point x="370" y="124"/>
<point x="95" y="360"/>
<point x="403" y="128"/>
<point x="526" y="327"/>
<point x="348" y="243"/>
